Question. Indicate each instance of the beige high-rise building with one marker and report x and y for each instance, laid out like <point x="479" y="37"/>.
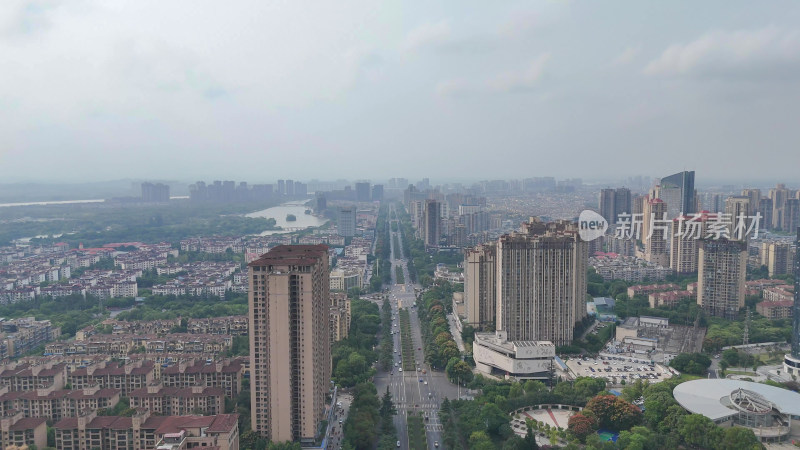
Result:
<point x="655" y="242"/>
<point x="684" y="246"/>
<point x="541" y="282"/>
<point x="738" y="206"/>
<point x="480" y="284"/>
<point x="755" y="198"/>
<point x="778" y="195"/>
<point x="721" y="276"/>
<point x="778" y="261"/>
<point x="290" y="355"/>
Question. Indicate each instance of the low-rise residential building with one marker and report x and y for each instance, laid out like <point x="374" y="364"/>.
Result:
<point x="669" y="298"/>
<point x="124" y="344"/>
<point x="176" y="401"/>
<point x="612" y="266"/>
<point x="114" y="375"/>
<point x="147" y="431"/>
<point x="226" y="375"/>
<point x="780" y="309"/>
<point x="24" y="376"/>
<point x="20" y="431"/>
<point x="55" y="404"/>
<point x="650" y="288"/>
<point x="20" y="336"/>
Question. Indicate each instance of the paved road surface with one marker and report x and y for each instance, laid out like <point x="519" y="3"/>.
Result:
<point x="409" y="393"/>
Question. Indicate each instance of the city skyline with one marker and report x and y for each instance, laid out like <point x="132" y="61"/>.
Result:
<point x="99" y="89"/>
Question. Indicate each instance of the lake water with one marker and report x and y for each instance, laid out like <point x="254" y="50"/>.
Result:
<point x="279" y="213"/>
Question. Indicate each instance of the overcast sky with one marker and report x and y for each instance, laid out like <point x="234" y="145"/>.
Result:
<point x="261" y="90"/>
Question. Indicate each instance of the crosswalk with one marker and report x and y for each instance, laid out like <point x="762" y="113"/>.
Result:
<point x="412" y="406"/>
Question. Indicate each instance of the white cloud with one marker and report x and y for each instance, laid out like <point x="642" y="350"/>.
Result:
<point x="455" y="87"/>
<point x="627" y="56"/>
<point x="427" y="35"/>
<point x="523" y="79"/>
<point x="768" y="51"/>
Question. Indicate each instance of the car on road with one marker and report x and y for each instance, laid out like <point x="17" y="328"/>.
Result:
<point x="419" y="348"/>
<point x="435" y="443"/>
<point x="398" y="443"/>
<point x="426" y="382"/>
<point x="400" y="369"/>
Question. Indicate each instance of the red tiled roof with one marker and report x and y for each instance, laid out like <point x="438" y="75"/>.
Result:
<point x="28" y="423"/>
<point x="223" y="423"/>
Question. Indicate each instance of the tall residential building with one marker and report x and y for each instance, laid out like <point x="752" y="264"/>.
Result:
<point x="362" y="191"/>
<point x="765" y="209"/>
<point x="347" y="221"/>
<point x="158" y="192"/>
<point x="791" y="362"/>
<point x="290" y="188"/>
<point x="541" y="282"/>
<point x="614" y="202"/>
<point x="622" y="202"/>
<point x="721" y="276"/>
<point x="281" y="187"/>
<point x="377" y="193"/>
<point x="738" y="206"/>
<point x="755" y="198"/>
<point x="778" y="195"/>
<point x="686" y="232"/>
<point x="480" y="284"/>
<point x="778" y="259"/>
<point x="290" y="355"/>
<point x="655" y="241"/>
<point x="677" y="191"/>
<point x="607" y="205"/>
<point x="791" y="214"/>
<point x="432" y="223"/>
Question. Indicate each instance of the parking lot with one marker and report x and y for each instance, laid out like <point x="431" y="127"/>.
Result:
<point x="617" y="369"/>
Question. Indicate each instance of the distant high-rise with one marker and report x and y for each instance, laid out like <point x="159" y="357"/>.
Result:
<point x="755" y="198"/>
<point x="677" y="191"/>
<point x="614" y="202"/>
<point x="480" y="284"/>
<point x="362" y="191"/>
<point x="158" y="192"/>
<point x="655" y="241"/>
<point x="791" y="214"/>
<point x="347" y="221"/>
<point x="607" y="205"/>
<point x="622" y="202"/>
<point x="320" y="202"/>
<point x="281" y="187"/>
<point x="377" y="193"/>
<point x="541" y="282"/>
<point x="432" y="221"/>
<point x="290" y="188"/>
<point x="721" y="276"/>
<point x="290" y="357"/>
<point x="791" y="363"/>
<point x="778" y="195"/>
<point x="737" y="207"/>
<point x="778" y="259"/>
<point x="765" y="209"/>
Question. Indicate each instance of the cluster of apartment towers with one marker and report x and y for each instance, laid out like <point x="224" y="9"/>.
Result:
<point x="526" y="292"/>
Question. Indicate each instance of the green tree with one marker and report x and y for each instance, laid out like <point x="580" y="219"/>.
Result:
<point x="699" y="431"/>
<point x="739" y="438"/>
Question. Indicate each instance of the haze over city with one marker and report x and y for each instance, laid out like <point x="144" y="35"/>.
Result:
<point x="251" y="90"/>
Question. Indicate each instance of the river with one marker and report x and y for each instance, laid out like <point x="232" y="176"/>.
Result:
<point x="279" y="213"/>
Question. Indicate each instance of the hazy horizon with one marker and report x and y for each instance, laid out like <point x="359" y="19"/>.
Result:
<point x="198" y="90"/>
